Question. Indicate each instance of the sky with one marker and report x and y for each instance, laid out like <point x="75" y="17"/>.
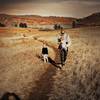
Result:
<point x="65" y="8"/>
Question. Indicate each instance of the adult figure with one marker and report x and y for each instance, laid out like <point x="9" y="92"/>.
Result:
<point x="64" y="42"/>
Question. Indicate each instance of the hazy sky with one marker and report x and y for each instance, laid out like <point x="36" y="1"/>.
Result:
<point x="68" y="8"/>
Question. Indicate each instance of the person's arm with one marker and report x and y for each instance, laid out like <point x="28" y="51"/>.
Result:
<point x="59" y="38"/>
<point x="47" y="50"/>
<point x="42" y="50"/>
<point x="69" y="41"/>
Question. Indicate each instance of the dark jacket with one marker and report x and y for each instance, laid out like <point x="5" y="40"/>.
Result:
<point x="44" y="50"/>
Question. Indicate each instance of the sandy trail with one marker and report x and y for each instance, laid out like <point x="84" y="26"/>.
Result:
<point x="42" y="83"/>
<point x="45" y="82"/>
<point x="24" y="73"/>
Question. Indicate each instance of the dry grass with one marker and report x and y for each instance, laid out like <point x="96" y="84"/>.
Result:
<point x="22" y="72"/>
<point x="80" y="79"/>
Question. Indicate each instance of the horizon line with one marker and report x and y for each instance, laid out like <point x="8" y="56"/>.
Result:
<point x="46" y="15"/>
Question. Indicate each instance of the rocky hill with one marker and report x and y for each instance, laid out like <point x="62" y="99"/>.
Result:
<point x="14" y="20"/>
<point x="91" y="20"/>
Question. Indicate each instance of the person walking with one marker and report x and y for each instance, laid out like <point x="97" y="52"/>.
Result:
<point x="45" y="53"/>
<point x="64" y="42"/>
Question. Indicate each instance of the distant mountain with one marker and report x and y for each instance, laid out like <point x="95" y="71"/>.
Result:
<point x="92" y="20"/>
<point x="14" y="20"/>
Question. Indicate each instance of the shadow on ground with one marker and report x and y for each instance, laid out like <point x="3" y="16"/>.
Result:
<point x="45" y="83"/>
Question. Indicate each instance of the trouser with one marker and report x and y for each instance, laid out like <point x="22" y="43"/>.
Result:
<point x="63" y="55"/>
<point x="45" y="57"/>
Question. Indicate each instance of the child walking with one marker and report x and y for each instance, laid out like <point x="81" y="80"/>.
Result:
<point x="45" y="53"/>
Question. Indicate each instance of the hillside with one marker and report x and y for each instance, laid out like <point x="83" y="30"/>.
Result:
<point x="92" y="20"/>
<point x="12" y="20"/>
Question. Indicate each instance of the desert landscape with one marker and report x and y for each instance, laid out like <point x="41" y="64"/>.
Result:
<point x="24" y="73"/>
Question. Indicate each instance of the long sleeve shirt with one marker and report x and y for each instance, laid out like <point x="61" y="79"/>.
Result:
<point x="65" y="40"/>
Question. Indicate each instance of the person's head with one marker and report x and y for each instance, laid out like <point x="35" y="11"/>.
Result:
<point x="62" y="32"/>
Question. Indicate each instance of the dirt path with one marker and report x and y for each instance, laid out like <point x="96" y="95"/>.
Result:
<point x="45" y="83"/>
<point x="42" y="83"/>
<point x="23" y="73"/>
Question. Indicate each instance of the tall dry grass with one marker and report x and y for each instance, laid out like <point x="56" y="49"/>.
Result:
<point x="21" y="69"/>
<point x="80" y="78"/>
